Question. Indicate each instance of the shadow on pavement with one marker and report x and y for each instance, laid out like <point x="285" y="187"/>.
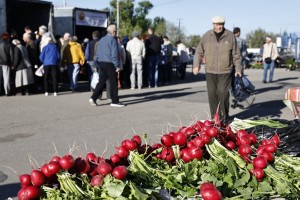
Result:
<point x="262" y="110"/>
<point x="9" y="190"/>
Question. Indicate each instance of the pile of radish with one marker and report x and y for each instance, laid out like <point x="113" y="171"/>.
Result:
<point x="190" y="162"/>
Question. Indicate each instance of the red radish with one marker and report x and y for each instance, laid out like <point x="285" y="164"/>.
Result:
<point x="138" y="139"/>
<point x="266" y="141"/>
<point x="122" y="152"/>
<point x="124" y="142"/>
<point x="156" y="146"/>
<point x="189" y="144"/>
<point x="158" y="156"/>
<point x="44" y="170"/>
<point x="66" y="162"/>
<point x="260" y="149"/>
<point x="119" y="172"/>
<point x="25" y="180"/>
<point x="211" y="194"/>
<point x="245" y="149"/>
<point x="55" y="158"/>
<point x="206" y="139"/>
<point x="260" y="162"/>
<point x="90" y="156"/>
<point x="93" y="170"/>
<point x="207" y="186"/>
<point x="179" y="139"/>
<point x="185" y="155"/>
<point x="268" y="156"/>
<point x="212" y="132"/>
<point x="207" y="123"/>
<point x="258" y="173"/>
<point x="53" y="167"/>
<point x="167" y="140"/>
<point x="198" y="141"/>
<point x="253" y="138"/>
<point x="171" y="134"/>
<point x="97" y="180"/>
<point x="230" y="145"/>
<point x="241" y="133"/>
<point x="271" y="148"/>
<point x="131" y="145"/>
<point x="246" y="158"/>
<point x="167" y="154"/>
<point x="276" y="140"/>
<point x="115" y="158"/>
<point x="189" y="131"/>
<point x="37" y="178"/>
<point x="83" y="166"/>
<point x="29" y="192"/>
<point x="244" y="140"/>
<point x="104" y="168"/>
<point x="196" y="153"/>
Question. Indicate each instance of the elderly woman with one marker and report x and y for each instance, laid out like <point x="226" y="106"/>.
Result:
<point x="22" y="65"/>
<point x="50" y="57"/>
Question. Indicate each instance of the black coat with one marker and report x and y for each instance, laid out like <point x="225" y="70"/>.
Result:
<point x="6" y="53"/>
<point x="19" y="62"/>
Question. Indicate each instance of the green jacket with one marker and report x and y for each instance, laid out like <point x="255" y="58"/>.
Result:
<point x="220" y="57"/>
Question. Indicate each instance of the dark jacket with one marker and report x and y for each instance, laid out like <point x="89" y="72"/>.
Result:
<point x="90" y="50"/>
<point x="6" y="53"/>
<point x="153" y="45"/>
<point x="18" y="62"/>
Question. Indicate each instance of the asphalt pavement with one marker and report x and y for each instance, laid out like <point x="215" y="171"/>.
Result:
<point x="33" y="127"/>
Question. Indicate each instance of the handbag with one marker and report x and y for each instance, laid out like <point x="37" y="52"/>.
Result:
<point x="268" y="60"/>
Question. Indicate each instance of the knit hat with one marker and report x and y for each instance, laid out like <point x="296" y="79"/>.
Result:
<point x="218" y="20"/>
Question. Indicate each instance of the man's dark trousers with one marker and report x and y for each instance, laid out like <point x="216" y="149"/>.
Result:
<point x="218" y="86"/>
<point x="107" y="71"/>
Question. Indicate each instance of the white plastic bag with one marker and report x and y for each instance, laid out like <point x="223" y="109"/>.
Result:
<point x="40" y="71"/>
<point x="95" y="80"/>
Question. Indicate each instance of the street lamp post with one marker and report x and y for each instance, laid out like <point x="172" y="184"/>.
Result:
<point x="118" y="15"/>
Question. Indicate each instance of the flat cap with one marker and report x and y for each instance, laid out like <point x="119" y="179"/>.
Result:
<point x="218" y="20"/>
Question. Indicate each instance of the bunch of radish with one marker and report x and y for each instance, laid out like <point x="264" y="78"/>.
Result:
<point x="94" y="166"/>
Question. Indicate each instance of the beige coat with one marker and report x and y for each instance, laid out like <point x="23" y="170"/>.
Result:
<point x="220" y="57"/>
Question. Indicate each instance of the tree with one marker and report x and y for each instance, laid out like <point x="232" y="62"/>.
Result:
<point x="255" y="39"/>
<point x="193" y="40"/>
<point x="130" y="18"/>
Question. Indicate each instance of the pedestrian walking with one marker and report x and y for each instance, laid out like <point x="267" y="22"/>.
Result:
<point x="89" y="53"/>
<point x="137" y="50"/>
<point x="219" y="51"/>
<point x="242" y="45"/>
<point x="270" y="53"/>
<point x="107" y="59"/>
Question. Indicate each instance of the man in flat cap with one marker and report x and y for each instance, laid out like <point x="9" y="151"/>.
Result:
<point x="219" y="51"/>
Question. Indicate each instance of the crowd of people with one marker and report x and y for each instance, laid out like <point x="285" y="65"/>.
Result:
<point x="143" y="61"/>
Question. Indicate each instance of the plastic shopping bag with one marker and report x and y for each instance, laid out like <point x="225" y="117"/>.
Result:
<point x="95" y="80"/>
<point x="40" y="71"/>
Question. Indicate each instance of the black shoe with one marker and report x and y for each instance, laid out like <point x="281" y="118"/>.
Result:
<point x="264" y="81"/>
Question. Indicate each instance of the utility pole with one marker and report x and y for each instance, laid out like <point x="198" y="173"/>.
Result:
<point x="118" y="16"/>
<point x="65" y="3"/>
<point x="179" y="20"/>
